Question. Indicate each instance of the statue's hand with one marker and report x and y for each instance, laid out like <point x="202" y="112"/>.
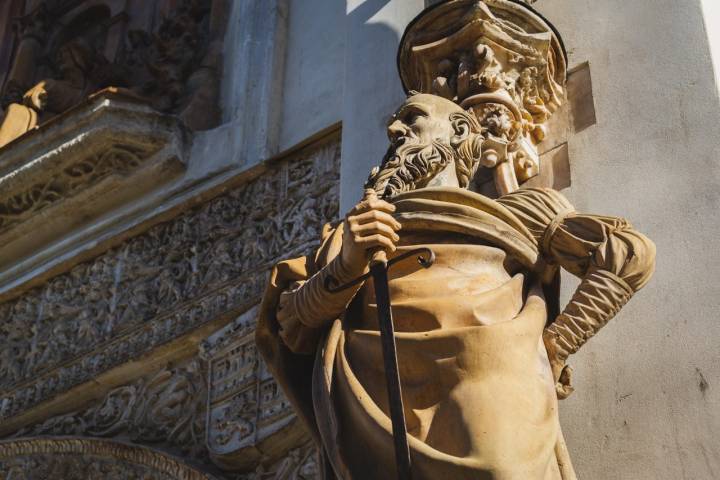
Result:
<point x="368" y="226"/>
<point x="562" y="372"/>
<point x="36" y="97"/>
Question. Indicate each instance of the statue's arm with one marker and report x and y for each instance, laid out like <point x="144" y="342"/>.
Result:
<point x="306" y="308"/>
<point x="612" y="259"/>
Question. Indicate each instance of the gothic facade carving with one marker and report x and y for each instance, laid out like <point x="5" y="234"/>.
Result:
<point x="246" y="406"/>
<point x="168" y="56"/>
<point x="156" y="287"/>
<point x="87" y="459"/>
<point x="167" y="408"/>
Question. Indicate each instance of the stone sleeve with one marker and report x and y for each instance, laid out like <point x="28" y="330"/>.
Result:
<point x="613" y="260"/>
<point x="305" y="310"/>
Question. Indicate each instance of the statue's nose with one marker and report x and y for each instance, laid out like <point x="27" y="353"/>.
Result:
<point x="396" y="130"/>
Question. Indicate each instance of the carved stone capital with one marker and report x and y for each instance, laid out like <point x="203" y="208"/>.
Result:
<point x="500" y="61"/>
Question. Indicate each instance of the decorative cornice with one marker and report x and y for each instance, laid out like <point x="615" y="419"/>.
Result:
<point x="83" y="164"/>
<point x="209" y="263"/>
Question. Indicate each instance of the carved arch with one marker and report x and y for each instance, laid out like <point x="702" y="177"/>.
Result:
<point x="79" y="458"/>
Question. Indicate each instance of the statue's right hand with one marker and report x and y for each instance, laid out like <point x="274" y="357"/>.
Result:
<point x="368" y="226"/>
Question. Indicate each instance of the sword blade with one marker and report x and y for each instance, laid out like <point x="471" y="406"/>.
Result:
<point x="392" y="375"/>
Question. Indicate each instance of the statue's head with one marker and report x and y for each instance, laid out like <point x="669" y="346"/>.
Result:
<point x="433" y="141"/>
<point x="502" y="63"/>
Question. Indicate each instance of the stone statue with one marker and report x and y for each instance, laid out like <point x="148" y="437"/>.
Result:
<point x="481" y="342"/>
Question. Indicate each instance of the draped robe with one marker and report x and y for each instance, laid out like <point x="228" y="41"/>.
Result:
<point x="478" y="391"/>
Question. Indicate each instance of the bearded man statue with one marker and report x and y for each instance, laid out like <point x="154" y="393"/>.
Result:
<point x="481" y="345"/>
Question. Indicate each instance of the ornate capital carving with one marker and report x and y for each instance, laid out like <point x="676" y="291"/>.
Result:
<point x="500" y="61"/>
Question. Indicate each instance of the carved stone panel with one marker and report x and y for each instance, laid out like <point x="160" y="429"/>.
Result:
<point x="88" y="459"/>
<point x="209" y="262"/>
<point x="247" y="411"/>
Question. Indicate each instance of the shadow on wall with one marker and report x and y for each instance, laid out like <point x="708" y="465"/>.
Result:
<point x="371" y="75"/>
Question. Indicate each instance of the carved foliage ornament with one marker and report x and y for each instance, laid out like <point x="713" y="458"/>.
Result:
<point x="167" y="408"/>
<point x="87" y="459"/>
<point x="164" y="283"/>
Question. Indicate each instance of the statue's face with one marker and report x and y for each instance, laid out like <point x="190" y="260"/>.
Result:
<point x="424" y="119"/>
<point x="421" y="134"/>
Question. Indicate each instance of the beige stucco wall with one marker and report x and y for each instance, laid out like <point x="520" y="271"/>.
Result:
<point x="647" y="404"/>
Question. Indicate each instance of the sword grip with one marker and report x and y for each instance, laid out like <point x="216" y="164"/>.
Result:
<point x="378" y="256"/>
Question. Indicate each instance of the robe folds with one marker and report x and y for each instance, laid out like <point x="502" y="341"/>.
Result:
<point x="478" y="391"/>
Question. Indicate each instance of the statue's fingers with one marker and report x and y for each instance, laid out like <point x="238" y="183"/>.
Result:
<point x="375" y="216"/>
<point x="378" y="241"/>
<point x="374" y="228"/>
<point x="372" y="204"/>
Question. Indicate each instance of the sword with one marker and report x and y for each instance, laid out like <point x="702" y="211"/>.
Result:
<point x="379" y="266"/>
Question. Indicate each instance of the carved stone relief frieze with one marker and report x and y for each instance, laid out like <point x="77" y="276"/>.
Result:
<point x="169" y="56"/>
<point x="210" y="261"/>
<point x="167" y="409"/>
<point x="246" y="407"/>
<point x="89" y="459"/>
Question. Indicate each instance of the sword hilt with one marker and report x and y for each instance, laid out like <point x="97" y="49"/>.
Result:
<point x="425" y="257"/>
<point x="378" y="256"/>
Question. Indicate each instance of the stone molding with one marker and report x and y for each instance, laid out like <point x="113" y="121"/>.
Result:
<point x="83" y="164"/>
<point x="85" y="458"/>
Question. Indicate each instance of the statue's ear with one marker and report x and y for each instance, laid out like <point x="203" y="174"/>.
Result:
<point x="463" y="126"/>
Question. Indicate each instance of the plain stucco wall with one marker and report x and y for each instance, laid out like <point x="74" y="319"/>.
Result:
<point x="314" y="69"/>
<point x="647" y="404"/>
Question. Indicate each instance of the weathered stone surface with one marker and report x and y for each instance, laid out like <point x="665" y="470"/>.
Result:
<point x="89" y="459"/>
<point x="93" y="159"/>
<point x="156" y="287"/>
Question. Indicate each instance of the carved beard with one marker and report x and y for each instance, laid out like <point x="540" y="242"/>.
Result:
<point x="410" y="166"/>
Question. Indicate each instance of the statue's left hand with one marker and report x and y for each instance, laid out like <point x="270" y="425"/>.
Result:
<point x="562" y="372"/>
